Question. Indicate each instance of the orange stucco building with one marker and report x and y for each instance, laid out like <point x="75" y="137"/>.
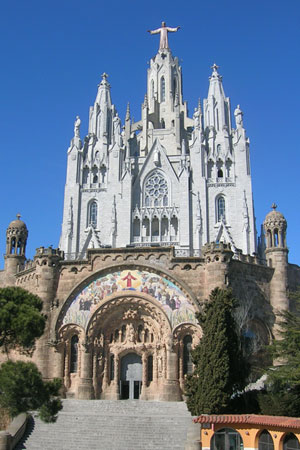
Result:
<point x="248" y="432"/>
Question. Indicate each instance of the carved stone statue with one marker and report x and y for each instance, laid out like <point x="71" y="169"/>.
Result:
<point x="238" y="114"/>
<point x="77" y="124"/>
<point x="164" y="30"/>
<point x="196" y="117"/>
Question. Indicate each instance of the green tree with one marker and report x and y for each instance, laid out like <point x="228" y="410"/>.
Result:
<point x="22" y="389"/>
<point x="282" y="393"/>
<point x="220" y="368"/>
<point x="21" y="320"/>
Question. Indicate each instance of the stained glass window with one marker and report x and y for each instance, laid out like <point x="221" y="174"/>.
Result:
<point x="156" y="190"/>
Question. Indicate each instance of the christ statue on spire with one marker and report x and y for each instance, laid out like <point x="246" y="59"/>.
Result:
<point x="163" y="30"/>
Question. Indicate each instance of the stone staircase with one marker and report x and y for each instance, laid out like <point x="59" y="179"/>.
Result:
<point x="111" y="425"/>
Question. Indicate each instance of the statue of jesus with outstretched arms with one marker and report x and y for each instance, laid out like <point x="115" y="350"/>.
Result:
<point x="163" y="30"/>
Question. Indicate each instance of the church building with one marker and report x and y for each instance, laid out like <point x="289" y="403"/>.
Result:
<point x="157" y="213"/>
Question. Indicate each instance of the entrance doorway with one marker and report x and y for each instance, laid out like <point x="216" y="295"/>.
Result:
<point x="131" y="376"/>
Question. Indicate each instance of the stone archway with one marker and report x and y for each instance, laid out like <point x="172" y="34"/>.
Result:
<point x="137" y="324"/>
<point x="120" y="313"/>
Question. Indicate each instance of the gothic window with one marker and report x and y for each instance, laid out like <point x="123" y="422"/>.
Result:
<point x="93" y="210"/>
<point x="276" y="241"/>
<point x="85" y="175"/>
<point x="136" y="227"/>
<point x="220" y="173"/>
<point x="227" y="439"/>
<point x="291" y="442"/>
<point x="221" y="209"/>
<point x="162" y="89"/>
<point x="156" y="190"/>
<point x="265" y="441"/>
<point x="210" y="166"/>
<point x="174" y="86"/>
<point x="228" y="168"/>
<point x="74" y="354"/>
<point x="152" y="89"/>
<point x="163" y="125"/>
<point x="95" y="174"/>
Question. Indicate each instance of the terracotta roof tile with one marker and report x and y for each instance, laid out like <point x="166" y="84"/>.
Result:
<point x="251" y="419"/>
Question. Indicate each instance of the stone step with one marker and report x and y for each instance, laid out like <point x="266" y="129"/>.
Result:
<point x="111" y="425"/>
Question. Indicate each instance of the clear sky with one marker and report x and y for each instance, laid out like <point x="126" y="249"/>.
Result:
<point x="54" y="52"/>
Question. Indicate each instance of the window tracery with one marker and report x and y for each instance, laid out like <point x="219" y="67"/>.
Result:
<point x="156" y="190"/>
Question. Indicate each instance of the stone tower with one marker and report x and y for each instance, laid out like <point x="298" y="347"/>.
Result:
<point x="276" y="253"/>
<point x="166" y="179"/>
<point x="16" y="238"/>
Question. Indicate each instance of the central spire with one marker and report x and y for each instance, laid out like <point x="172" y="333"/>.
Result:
<point x="164" y="30"/>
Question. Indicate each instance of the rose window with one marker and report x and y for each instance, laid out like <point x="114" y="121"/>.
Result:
<point x="156" y="190"/>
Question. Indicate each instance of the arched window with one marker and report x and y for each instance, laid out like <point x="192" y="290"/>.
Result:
<point x="210" y="166"/>
<point x="291" y="442"/>
<point x="221" y="209"/>
<point x="74" y="354"/>
<point x="152" y="89"/>
<point x="93" y="214"/>
<point x="226" y="439"/>
<point x="220" y="173"/>
<point x="265" y="441"/>
<point x="162" y="89"/>
<point x="156" y="190"/>
<point x="85" y="175"/>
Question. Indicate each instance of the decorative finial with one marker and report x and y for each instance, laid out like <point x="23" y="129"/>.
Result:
<point x="274" y="206"/>
<point x="104" y="76"/>
<point x="18" y="216"/>
<point x="215" y="67"/>
<point x="127" y="112"/>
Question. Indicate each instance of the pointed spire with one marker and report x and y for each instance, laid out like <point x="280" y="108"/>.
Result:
<point x="215" y="79"/>
<point x="127" y="117"/>
<point x="145" y="104"/>
<point x="199" y="105"/>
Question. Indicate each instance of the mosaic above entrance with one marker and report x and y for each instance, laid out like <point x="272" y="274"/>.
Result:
<point x="176" y="305"/>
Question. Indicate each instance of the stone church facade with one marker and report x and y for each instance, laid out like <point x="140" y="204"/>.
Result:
<point x="157" y="213"/>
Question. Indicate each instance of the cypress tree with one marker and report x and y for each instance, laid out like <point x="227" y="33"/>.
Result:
<point x="220" y="369"/>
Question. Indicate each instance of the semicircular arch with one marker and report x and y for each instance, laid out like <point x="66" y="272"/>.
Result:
<point x="129" y="305"/>
<point x="175" y="298"/>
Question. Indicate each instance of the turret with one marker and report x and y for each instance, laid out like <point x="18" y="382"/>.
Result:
<point x="16" y="239"/>
<point x="276" y="253"/>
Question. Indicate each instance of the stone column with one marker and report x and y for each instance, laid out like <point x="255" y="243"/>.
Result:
<point x="58" y="365"/>
<point x="95" y="375"/>
<point x="67" y="367"/>
<point x="181" y="378"/>
<point x="85" y="387"/>
<point x="171" y="389"/>
<point x="116" y="376"/>
<point x="144" y="376"/>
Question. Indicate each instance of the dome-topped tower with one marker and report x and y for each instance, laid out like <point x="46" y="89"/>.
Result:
<point x="276" y="253"/>
<point x="16" y="239"/>
<point x="275" y="227"/>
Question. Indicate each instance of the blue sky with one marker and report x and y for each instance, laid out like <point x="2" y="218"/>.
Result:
<point x="54" y="52"/>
